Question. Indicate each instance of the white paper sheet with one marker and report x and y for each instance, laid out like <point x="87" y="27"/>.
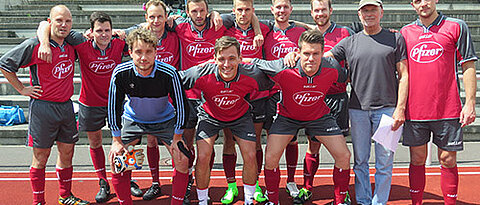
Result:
<point x="385" y="135"/>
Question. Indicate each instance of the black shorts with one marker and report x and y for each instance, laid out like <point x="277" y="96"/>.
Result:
<point x="193" y="114"/>
<point x="271" y="110"/>
<point x="241" y="127"/>
<point x="338" y="104"/>
<point x="447" y="134"/>
<point x="50" y="122"/>
<point x="164" y="131"/>
<point x="323" y="126"/>
<point x="258" y="110"/>
<point x="91" y="118"/>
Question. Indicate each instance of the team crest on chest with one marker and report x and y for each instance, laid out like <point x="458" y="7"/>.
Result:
<point x="226" y="101"/>
<point x="63" y="69"/>
<point x="426" y="52"/>
<point x="307" y="98"/>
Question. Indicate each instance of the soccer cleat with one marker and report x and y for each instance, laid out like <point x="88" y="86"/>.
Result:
<point x="205" y="202"/>
<point x="258" y="195"/>
<point x="303" y="196"/>
<point x="152" y="193"/>
<point x="271" y="203"/>
<point x="347" y="200"/>
<point x="72" y="200"/>
<point x="230" y="194"/>
<point x="292" y="189"/>
<point x="104" y="192"/>
<point x="135" y="189"/>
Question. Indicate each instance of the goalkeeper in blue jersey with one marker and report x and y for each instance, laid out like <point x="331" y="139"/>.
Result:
<point x="148" y="86"/>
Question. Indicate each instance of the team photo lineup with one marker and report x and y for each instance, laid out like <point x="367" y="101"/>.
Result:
<point x="189" y="76"/>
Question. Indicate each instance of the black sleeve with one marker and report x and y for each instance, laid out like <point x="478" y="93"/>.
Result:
<point x="116" y="96"/>
<point x="179" y="99"/>
<point x="228" y="20"/>
<point x="75" y="38"/>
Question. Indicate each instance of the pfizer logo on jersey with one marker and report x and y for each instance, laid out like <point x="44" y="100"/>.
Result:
<point x="281" y="49"/>
<point x="226" y="101"/>
<point x="308" y="98"/>
<point x="426" y="52"/>
<point x="63" y="69"/>
<point x="165" y="57"/>
<point x="247" y="49"/>
<point x="200" y="49"/>
<point x="102" y="67"/>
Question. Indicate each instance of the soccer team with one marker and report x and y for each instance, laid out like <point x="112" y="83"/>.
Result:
<point x="191" y="77"/>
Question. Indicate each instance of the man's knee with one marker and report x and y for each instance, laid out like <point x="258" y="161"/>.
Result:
<point x="40" y="158"/>
<point x="95" y="139"/>
<point x="448" y="159"/>
<point x="152" y="141"/>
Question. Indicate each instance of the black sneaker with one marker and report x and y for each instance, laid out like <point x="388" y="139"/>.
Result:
<point x="135" y="189"/>
<point x="72" y="200"/>
<point x="186" y="200"/>
<point x="104" y="192"/>
<point x="152" y="193"/>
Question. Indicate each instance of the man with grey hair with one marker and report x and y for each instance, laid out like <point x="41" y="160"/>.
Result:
<point x="370" y="99"/>
<point x="51" y="111"/>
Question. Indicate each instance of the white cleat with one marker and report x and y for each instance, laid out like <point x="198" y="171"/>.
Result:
<point x="292" y="189"/>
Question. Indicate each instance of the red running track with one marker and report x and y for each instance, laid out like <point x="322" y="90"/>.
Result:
<point x="16" y="189"/>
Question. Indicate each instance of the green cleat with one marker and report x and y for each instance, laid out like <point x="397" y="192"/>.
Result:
<point x="303" y="196"/>
<point x="230" y="194"/>
<point x="258" y="195"/>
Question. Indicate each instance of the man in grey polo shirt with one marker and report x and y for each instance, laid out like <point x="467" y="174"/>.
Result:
<point x="377" y="61"/>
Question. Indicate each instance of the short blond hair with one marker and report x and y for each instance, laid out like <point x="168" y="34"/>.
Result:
<point x="142" y="34"/>
<point x="156" y="3"/>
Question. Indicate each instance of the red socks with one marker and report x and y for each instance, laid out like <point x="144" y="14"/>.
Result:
<point x="98" y="160"/>
<point x="449" y="183"/>
<point x="229" y="163"/>
<point x="64" y="176"/>
<point x="341" y="179"/>
<point x="416" y="177"/>
<point x="291" y="156"/>
<point x="121" y="184"/>
<point x="153" y="157"/>
<point x="259" y="161"/>
<point x="37" y="181"/>
<point x="310" y="163"/>
<point x="179" y="187"/>
<point x="272" y="181"/>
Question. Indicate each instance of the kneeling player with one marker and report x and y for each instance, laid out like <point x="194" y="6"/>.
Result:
<point x="148" y="84"/>
<point x="303" y="92"/>
<point x="224" y="86"/>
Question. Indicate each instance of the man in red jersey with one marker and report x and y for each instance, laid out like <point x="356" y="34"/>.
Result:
<point x="98" y="58"/>
<point x="224" y="86"/>
<point x="303" y="92"/>
<point x="336" y="97"/>
<point x="436" y="44"/>
<point x="281" y="40"/>
<point x="51" y="110"/>
<point x="243" y="31"/>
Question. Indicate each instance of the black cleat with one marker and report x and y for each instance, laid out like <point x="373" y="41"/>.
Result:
<point x="152" y="193"/>
<point x="104" y="192"/>
<point x="186" y="200"/>
<point x="135" y="189"/>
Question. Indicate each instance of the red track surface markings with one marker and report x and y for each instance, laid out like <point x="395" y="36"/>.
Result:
<point x="16" y="187"/>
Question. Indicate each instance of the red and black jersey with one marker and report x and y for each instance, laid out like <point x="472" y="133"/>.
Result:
<point x="196" y="46"/>
<point x="96" y="67"/>
<point x="56" y="78"/>
<point x="280" y="42"/>
<point x="225" y="101"/>
<point x="334" y="34"/>
<point x="433" y="55"/>
<point x="245" y="38"/>
<point x="302" y="95"/>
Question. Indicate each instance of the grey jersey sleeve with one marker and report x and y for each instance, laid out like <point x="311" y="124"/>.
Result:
<point x="190" y="76"/>
<point x="400" y="48"/>
<point x="228" y="20"/>
<point x="131" y="28"/>
<point x="270" y="68"/>
<point x="75" y="38"/>
<point x="264" y="83"/>
<point x="342" y="72"/>
<point x="465" y="43"/>
<point x="20" y="56"/>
